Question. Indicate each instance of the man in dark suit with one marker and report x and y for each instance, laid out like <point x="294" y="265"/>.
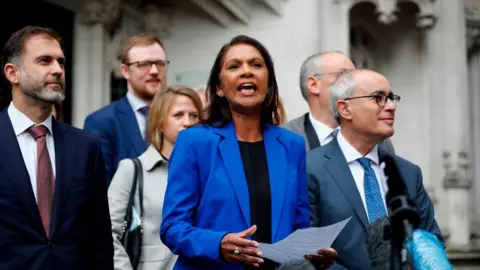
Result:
<point x="317" y="73"/>
<point x="52" y="180"/>
<point x="344" y="177"/>
<point x="121" y="126"/>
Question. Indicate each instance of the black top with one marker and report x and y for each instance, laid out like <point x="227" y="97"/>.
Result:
<point x="255" y="165"/>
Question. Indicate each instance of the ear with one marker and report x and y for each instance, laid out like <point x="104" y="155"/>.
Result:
<point x="313" y="85"/>
<point x="125" y="71"/>
<point x="12" y="73"/>
<point x="344" y="110"/>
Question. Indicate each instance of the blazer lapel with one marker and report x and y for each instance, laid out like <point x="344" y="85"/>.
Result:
<point x="64" y="160"/>
<point x="339" y="171"/>
<point x="277" y="172"/>
<point x="231" y="157"/>
<point x="130" y="126"/>
<point x="312" y="137"/>
<point x="12" y="163"/>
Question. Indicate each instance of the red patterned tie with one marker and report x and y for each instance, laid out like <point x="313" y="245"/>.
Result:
<point x="45" y="181"/>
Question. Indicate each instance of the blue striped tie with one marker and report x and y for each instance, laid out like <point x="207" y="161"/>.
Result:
<point x="373" y="196"/>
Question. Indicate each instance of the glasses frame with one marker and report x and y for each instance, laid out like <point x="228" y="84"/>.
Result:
<point x="384" y="98"/>
<point x="140" y="64"/>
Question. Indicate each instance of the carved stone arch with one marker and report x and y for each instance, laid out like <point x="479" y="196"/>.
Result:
<point x="388" y="11"/>
<point x="363" y="41"/>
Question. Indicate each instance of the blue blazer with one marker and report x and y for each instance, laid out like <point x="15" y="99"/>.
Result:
<point x="117" y="128"/>
<point x="80" y="235"/>
<point x="207" y="193"/>
<point x="334" y="197"/>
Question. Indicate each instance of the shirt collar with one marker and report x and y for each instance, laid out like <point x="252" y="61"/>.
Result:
<point x="351" y="154"/>
<point x="152" y="158"/>
<point x="22" y="123"/>
<point x="322" y="130"/>
<point x="135" y="102"/>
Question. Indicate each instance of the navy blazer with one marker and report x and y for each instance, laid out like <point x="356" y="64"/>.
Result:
<point x="80" y="231"/>
<point x="334" y="197"/>
<point x="207" y="193"/>
<point x="117" y="128"/>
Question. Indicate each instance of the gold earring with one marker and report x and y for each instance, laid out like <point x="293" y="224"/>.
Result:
<point x="220" y="94"/>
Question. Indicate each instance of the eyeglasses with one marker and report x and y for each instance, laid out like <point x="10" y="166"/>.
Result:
<point x="381" y="98"/>
<point x="338" y="73"/>
<point x="145" y="66"/>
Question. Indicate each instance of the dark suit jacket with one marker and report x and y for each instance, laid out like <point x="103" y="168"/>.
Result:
<point x="334" y="197"/>
<point x="207" y="193"/>
<point x="304" y="127"/>
<point x="80" y="232"/>
<point x="117" y="128"/>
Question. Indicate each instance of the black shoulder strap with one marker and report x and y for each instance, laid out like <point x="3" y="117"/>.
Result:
<point x="312" y="137"/>
<point x="131" y="200"/>
<point x="139" y="180"/>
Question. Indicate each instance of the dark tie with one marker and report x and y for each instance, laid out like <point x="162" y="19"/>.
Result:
<point x="144" y="111"/>
<point x="45" y="181"/>
<point x="373" y="196"/>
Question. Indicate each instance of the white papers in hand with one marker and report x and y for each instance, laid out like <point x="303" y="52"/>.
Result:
<point x="302" y="242"/>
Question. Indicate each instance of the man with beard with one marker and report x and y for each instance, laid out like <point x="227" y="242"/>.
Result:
<point x="52" y="179"/>
<point x="121" y="126"/>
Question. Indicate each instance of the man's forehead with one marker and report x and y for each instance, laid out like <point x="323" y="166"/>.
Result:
<point x="371" y="81"/>
<point x="147" y="52"/>
<point x="43" y="45"/>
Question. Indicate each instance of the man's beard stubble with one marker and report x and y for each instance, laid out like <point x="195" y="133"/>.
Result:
<point x="38" y="90"/>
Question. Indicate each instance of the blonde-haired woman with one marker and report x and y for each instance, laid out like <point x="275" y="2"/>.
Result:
<point x="172" y="110"/>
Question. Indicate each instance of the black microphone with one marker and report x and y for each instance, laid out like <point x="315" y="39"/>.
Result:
<point x="378" y="248"/>
<point x="403" y="216"/>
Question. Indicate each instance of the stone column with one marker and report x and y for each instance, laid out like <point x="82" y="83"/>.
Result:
<point x="335" y="25"/>
<point x="91" y="89"/>
<point x="91" y="73"/>
<point x="457" y="182"/>
<point x="474" y="92"/>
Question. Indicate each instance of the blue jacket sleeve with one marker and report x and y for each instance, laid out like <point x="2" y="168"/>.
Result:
<point x="425" y="208"/>
<point x="99" y="130"/>
<point x="183" y="194"/>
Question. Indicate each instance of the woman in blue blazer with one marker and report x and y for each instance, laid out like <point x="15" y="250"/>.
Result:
<point x="239" y="179"/>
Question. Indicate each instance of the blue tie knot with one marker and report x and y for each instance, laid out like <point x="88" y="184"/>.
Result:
<point x="144" y="110"/>
<point x="365" y="162"/>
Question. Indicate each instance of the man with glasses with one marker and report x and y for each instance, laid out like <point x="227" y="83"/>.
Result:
<point x="121" y="126"/>
<point x="345" y="178"/>
<point x="318" y="72"/>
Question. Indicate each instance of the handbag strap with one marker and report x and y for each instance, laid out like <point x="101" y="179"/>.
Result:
<point x="131" y="198"/>
<point x="139" y="180"/>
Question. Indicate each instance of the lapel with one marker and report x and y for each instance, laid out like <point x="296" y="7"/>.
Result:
<point x="337" y="167"/>
<point x="129" y="125"/>
<point x="64" y="161"/>
<point x="277" y="172"/>
<point x="232" y="161"/>
<point x="312" y="137"/>
<point x="11" y="160"/>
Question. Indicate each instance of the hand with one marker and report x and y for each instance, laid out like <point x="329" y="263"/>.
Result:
<point x="235" y="248"/>
<point x="323" y="259"/>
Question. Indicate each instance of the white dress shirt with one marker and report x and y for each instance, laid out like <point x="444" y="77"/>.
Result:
<point x="324" y="132"/>
<point x="352" y="155"/>
<point x="137" y="104"/>
<point x="28" y="146"/>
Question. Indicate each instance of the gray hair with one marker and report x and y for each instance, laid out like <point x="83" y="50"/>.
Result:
<point x="342" y="88"/>
<point x="311" y="66"/>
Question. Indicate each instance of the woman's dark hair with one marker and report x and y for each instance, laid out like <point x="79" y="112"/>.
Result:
<point x="218" y="111"/>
